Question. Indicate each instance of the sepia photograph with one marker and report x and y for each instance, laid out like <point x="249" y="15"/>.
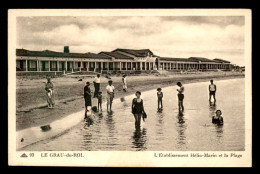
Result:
<point x="150" y="83"/>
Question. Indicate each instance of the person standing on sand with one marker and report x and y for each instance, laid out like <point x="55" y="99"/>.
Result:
<point x="124" y="83"/>
<point x="96" y="85"/>
<point x="212" y="91"/>
<point x="110" y="94"/>
<point x="49" y="93"/>
<point x="87" y="97"/>
<point x="180" y="97"/>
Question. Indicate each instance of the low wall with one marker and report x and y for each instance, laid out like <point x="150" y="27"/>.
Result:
<point x="18" y="73"/>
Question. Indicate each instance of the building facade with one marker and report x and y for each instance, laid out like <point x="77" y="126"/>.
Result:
<point x="117" y="60"/>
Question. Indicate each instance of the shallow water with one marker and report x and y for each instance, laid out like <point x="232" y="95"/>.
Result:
<point x="166" y="130"/>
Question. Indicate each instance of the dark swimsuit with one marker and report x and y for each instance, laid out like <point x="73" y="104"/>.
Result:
<point x="218" y="121"/>
<point x="137" y="107"/>
<point x="181" y="97"/>
<point x="87" y="96"/>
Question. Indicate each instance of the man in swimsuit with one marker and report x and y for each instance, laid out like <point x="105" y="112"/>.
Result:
<point x="96" y="85"/>
<point x="110" y="94"/>
<point x="212" y="91"/>
<point x="180" y="97"/>
<point x="160" y="96"/>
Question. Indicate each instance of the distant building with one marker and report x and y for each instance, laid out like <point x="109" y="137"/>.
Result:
<point x="117" y="60"/>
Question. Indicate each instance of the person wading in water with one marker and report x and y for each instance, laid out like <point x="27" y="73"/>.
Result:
<point x="138" y="108"/>
<point x="180" y="97"/>
<point x="87" y="97"/>
<point x="96" y="85"/>
<point x="110" y="94"/>
<point x="212" y="91"/>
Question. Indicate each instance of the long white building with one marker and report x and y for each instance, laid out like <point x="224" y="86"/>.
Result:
<point x="117" y="60"/>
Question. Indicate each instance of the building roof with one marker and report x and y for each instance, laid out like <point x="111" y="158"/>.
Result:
<point x="48" y="53"/>
<point x="116" y="55"/>
<point x="220" y="60"/>
<point x="137" y="53"/>
<point x="176" y="59"/>
<point x="201" y="59"/>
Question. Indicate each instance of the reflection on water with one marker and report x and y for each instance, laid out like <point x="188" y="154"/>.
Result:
<point x="219" y="130"/>
<point x="212" y="109"/>
<point x="164" y="130"/>
<point x="181" y="127"/>
<point x="139" y="137"/>
<point x="110" y="123"/>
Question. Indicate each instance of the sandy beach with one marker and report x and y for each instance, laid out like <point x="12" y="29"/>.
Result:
<point x="31" y="105"/>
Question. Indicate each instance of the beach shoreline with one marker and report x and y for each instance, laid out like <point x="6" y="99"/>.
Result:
<point x="31" y="101"/>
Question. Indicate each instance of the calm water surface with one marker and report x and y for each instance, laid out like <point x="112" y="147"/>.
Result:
<point x="166" y="130"/>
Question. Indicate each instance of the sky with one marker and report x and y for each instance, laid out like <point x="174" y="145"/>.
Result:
<point x="166" y="36"/>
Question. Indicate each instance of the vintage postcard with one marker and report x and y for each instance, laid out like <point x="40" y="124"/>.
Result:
<point x="130" y="87"/>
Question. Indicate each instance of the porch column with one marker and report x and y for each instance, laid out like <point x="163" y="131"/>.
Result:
<point x="26" y="68"/>
<point x="141" y="66"/>
<point x="37" y="65"/>
<point x="49" y="65"/>
<point x="120" y="66"/>
<point x="58" y="66"/>
<point x="101" y="66"/>
<point x="81" y="65"/>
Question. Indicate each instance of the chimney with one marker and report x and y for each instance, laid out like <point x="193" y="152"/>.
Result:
<point x="66" y="49"/>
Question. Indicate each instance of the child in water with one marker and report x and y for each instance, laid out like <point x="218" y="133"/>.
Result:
<point x="218" y="119"/>
<point x="160" y="96"/>
<point x="99" y="100"/>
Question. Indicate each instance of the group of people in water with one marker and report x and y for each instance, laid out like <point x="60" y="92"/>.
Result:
<point x="137" y="103"/>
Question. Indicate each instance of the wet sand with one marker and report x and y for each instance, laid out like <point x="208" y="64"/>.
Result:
<point x="31" y="99"/>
